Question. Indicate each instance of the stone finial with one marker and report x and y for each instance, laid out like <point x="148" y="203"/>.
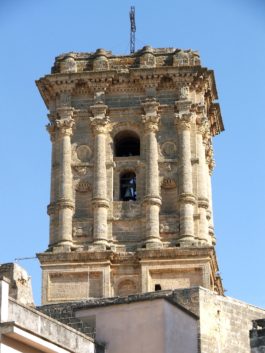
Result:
<point x="68" y="64"/>
<point x="100" y="62"/>
<point x="147" y="58"/>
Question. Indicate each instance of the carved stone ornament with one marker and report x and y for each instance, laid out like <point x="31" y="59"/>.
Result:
<point x="184" y="93"/>
<point x="169" y="149"/>
<point x="168" y="183"/>
<point x="82" y="230"/>
<point x="166" y="227"/>
<point x="183" y="121"/>
<point x="65" y="126"/>
<point x="83" y="186"/>
<point x="83" y="153"/>
<point x="80" y="170"/>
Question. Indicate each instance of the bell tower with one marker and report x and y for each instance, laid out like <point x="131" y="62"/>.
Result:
<point x="132" y="157"/>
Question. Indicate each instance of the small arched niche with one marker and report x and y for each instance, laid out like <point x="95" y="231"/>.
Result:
<point x="126" y="143"/>
<point x="128" y="186"/>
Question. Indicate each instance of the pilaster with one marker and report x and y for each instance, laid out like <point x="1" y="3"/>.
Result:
<point x="202" y="128"/>
<point x="210" y="166"/>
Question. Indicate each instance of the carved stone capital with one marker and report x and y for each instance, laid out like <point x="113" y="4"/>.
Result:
<point x="99" y="121"/>
<point x="151" y="122"/>
<point x="183" y="121"/>
<point x="151" y="118"/>
<point x="65" y="126"/>
<point x="100" y="126"/>
<point x="51" y="128"/>
<point x="61" y="128"/>
<point x="202" y="126"/>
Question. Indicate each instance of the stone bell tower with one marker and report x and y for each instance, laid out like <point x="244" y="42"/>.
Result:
<point x="132" y="157"/>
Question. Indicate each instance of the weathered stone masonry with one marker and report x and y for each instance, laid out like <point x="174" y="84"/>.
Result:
<point x="132" y="156"/>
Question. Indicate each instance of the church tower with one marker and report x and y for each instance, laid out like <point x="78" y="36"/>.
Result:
<point x="130" y="205"/>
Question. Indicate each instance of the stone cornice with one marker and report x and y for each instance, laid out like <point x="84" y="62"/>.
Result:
<point x="109" y="256"/>
<point x="197" y="77"/>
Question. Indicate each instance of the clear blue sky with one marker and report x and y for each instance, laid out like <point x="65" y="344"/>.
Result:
<point x="230" y="37"/>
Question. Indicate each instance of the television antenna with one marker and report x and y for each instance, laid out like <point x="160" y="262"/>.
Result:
<point x="133" y="30"/>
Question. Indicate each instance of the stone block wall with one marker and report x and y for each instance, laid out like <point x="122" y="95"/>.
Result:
<point x="224" y="322"/>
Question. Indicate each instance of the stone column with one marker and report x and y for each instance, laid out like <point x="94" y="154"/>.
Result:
<point x="203" y="202"/>
<point x="210" y="167"/>
<point x="152" y="199"/>
<point x="61" y="131"/>
<point x="100" y="124"/>
<point x="183" y="120"/>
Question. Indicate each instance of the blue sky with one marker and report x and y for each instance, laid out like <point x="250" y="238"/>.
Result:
<point x="229" y="35"/>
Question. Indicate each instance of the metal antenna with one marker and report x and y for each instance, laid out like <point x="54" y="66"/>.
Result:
<point x="133" y="30"/>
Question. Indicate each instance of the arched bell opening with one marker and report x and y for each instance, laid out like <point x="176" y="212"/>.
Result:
<point x="128" y="186"/>
<point x="126" y="143"/>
